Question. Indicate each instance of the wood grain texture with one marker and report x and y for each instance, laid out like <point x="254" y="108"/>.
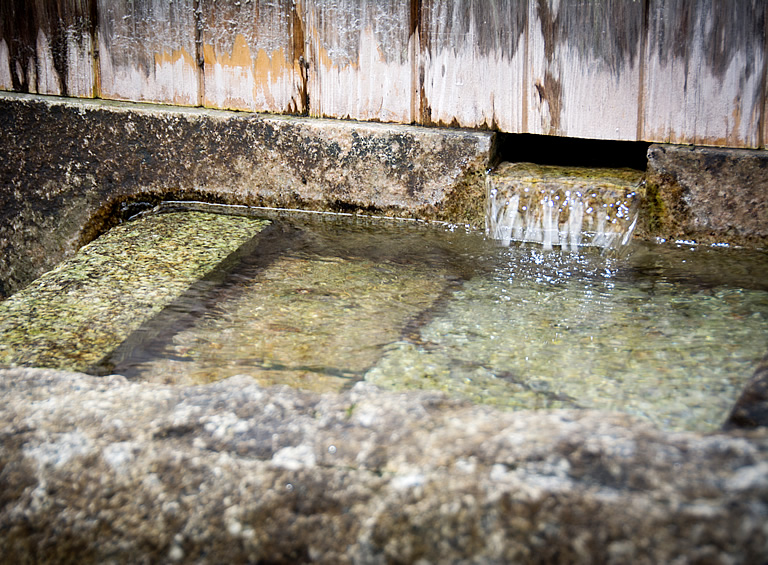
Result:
<point x="584" y="61"/>
<point x="147" y="51"/>
<point x="705" y="75"/>
<point x="362" y="58"/>
<point x="675" y="71"/>
<point x="473" y="63"/>
<point x="254" y="53"/>
<point x="46" y="47"/>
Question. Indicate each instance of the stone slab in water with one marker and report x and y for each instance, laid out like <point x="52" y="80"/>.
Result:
<point x="101" y="470"/>
<point x="71" y="317"/>
<point x="313" y="306"/>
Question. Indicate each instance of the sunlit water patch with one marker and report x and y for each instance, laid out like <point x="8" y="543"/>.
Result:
<point x="670" y="333"/>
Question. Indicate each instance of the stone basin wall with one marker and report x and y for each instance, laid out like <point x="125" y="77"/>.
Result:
<point x="102" y="470"/>
<point x="69" y="167"/>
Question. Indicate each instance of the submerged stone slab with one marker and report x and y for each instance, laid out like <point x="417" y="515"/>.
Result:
<point x="68" y="165"/>
<point x="104" y="470"/>
<point x="71" y="317"/>
<point x="707" y="193"/>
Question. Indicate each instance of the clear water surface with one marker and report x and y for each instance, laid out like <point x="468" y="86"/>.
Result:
<point x="669" y="333"/>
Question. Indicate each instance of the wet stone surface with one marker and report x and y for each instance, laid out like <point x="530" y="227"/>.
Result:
<point x="71" y="317"/>
<point x="707" y="194"/>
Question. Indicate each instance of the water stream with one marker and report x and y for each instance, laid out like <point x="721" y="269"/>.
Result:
<point x="669" y="332"/>
<point x="565" y="207"/>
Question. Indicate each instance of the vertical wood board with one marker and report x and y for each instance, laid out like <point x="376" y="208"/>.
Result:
<point x="362" y="58"/>
<point x="47" y="47"/>
<point x="472" y="58"/>
<point x="677" y="71"/>
<point x="763" y="142"/>
<point x="147" y="51"/>
<point x="705" y="80"/>
<point x="584" y="61"/>
<point x="254" y="55"/>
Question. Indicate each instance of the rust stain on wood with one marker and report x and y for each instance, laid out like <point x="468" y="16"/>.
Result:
<point x="253" y="55"/>
<point x="684" y="71"/>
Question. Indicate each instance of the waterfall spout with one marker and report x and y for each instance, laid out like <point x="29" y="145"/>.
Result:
<point x="562" y="206"/>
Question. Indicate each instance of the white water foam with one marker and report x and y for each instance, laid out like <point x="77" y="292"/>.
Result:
<point x="560" y="213"/>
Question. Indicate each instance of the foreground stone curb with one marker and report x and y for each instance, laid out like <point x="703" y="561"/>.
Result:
<point x="67" y="165"/>
<point x="101" y="470"/>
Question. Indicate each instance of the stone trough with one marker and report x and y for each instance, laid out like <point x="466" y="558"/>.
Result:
<point x="105" y="470"/>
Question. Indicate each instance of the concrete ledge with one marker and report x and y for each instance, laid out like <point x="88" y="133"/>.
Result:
<point x="98" y="470"/>
<point x="707" y="194"/>
<point x="68" y="164"/>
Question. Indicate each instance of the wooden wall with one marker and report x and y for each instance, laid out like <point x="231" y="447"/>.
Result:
<point x="680" y="71"/>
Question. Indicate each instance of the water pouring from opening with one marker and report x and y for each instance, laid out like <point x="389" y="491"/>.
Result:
<point x="562" y="207"/>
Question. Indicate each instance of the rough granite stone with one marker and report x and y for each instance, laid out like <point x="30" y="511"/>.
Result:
<point x="710" y="194"/>
<point x="69" y="165"/>
<point x="102" y="470"/>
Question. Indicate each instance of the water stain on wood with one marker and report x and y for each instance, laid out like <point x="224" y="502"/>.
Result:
<point x="47" y="46"/>
<point x="550" y="93"/>
<point x="680" y="71"/>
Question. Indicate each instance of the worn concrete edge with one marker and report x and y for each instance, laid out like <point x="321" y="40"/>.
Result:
<point x="114" y="471"/>
<point x="706" y="195"/>
<point x="70" y="164"/>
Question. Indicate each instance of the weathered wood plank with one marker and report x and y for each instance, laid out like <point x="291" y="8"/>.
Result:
<point x="47" y="47"/>
<point x="147" y="51"/>
<point x="584" y="61"/>
<point x="705" y="72"/>
<point x="679" y="71"/>
<point x="473" y="57"/>
<point x="254" y="56"/>
<point x="362" y="60"/>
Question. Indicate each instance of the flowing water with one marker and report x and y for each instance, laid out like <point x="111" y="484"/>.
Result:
<point x="566" y="207"/>
<point x="669" y="332"/>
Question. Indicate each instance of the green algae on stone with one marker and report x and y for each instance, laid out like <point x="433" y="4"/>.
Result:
<point x="72" y="316"/>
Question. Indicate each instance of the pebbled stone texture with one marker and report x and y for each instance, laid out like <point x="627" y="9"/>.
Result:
<point x="102" y="470"/>
<point x="709" y="194"/>
<point x="68" y="166"/>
